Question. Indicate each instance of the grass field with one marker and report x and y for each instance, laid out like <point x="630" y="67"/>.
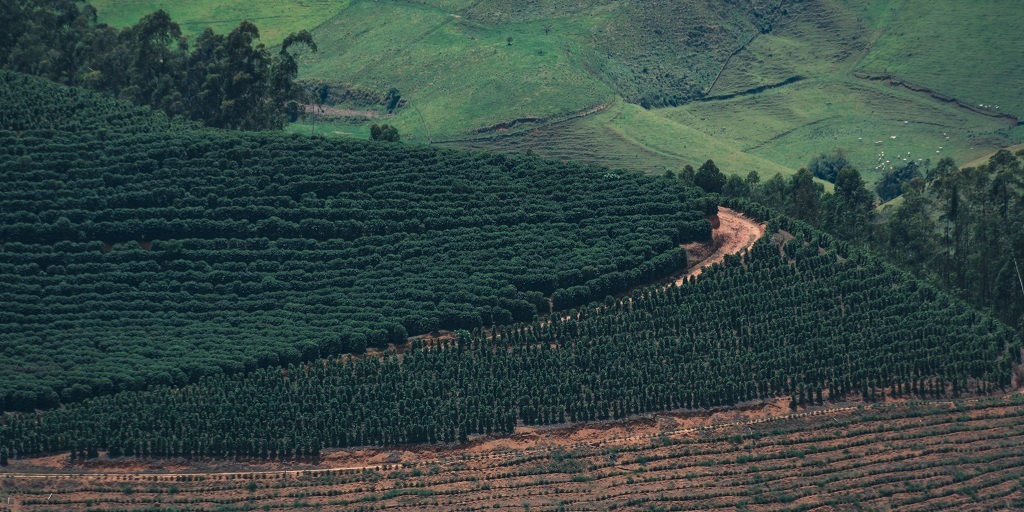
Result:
<point x="513" y="76"/>
<point x="818" y="39"/>
<point x="276" y="19"/>
<point x="459" y="76"/>
<point x="876" y="123"/>
<point x="961" y="454"/>
<point x="627" y="136"/>
<point x="972" y="51"/>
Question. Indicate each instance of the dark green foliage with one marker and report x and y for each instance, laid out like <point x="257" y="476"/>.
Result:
<point x="891" y="184"/>
<point x="228" y="81"/>
<point x="961" y="229"/>
<point x="964" y="228"/>
<point x="814" y="321"/>
<point x="736" y="187"/>
<point x="384" y="132"/>
<point x="138" y="252"/>
<point x="826" y="166"/>
<point x="849" y="211"/>
<point x="688" y="175"/>
<point x="392" y="100"/>
<point x="709" y="178"/>
<point x="804" y="196"/>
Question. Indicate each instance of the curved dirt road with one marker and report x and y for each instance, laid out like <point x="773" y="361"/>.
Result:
<point x="736" y="232"/>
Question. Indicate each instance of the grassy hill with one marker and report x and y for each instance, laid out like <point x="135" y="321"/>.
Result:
<point x="779" y="81"/>
<point x="964" y="50"/>
<point x="275" y="18"/>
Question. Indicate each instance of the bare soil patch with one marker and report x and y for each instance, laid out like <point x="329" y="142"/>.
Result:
<point x="327" y="110"/>
<point x="734" y="233"/>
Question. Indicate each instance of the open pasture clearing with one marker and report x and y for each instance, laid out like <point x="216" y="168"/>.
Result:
<point x="628" y="136"/>
<point x="971" y="51"/>
<point x="459" y="76"/>
<point x="963" y="453"/>
<point x="276" y="19"/>
<point x="878" y="124"/>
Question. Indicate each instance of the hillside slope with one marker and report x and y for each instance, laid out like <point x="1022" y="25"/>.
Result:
<point x="800" y="315"/>
<point x="541" y="75"/>
<point x="907" y="455"/>
<point x="137" y="251"/>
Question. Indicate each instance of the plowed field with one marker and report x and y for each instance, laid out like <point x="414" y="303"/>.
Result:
<point x="922" y="455"/>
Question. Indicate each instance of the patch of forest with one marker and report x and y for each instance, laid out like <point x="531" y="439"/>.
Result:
<point x="800" y="315"/>
<point x="139" y="251"/>
<point x="226" y="81"/>
<point x="960" y="228"/>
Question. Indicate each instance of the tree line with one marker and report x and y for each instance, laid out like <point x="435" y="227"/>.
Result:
<point x="225" y="81"/>
<point x="962" y="229"/>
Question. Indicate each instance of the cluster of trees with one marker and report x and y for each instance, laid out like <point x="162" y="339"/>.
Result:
<point x="847" y="212"/>
<point x="813" y="320"/>
<point x="826" y="166"/>
<point x="226" y="81"/>
<point x="384" y="132"/>
<point x="962" y="229"/>
<point x="891" y="184"/>
<point x="141" y="256"/>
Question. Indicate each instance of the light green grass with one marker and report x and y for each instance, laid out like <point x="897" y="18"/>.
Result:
<point x="821" y="38"/>
<point x="330" y="129"/>
<point x="970" y="50"/>
<point x="876" y="13"/>
<point x="627" y="136"/>
<point x="466" y="86"/>
<point x="791" y="124"/>
<point x="275" y="18"/>
<point x="458" y="76"/>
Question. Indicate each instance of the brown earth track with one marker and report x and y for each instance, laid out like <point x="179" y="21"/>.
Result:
<point x="734" y="234"/>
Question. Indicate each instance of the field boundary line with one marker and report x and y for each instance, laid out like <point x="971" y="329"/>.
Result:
<point x="220" y="474"/>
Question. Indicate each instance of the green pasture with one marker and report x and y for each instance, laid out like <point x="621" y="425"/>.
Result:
<point x="872" y="120"/>
<point x="275" y="18"/>
<point x="818" y="39"/>
<point x="515" y="76"/>
<point x="628" y="136"/>
<point x="457" y="75"/>
<point x="972" y="51"/>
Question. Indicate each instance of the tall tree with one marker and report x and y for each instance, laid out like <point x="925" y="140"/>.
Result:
<point x="709" y="178"/>
<point x="804" y="196"/>
<point x="849" y="211"/>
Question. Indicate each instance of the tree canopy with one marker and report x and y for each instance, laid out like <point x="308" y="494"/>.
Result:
<point x="226" y="81"/>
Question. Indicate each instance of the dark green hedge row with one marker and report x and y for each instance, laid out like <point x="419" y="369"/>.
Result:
<point x="135" y="251"/>
<point x="805" y="320"/>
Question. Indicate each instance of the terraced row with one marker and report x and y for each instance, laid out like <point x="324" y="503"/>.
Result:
<point x="909" y="455"/>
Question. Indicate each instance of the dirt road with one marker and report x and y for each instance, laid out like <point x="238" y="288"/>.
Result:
<point x="736" y="232"/>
